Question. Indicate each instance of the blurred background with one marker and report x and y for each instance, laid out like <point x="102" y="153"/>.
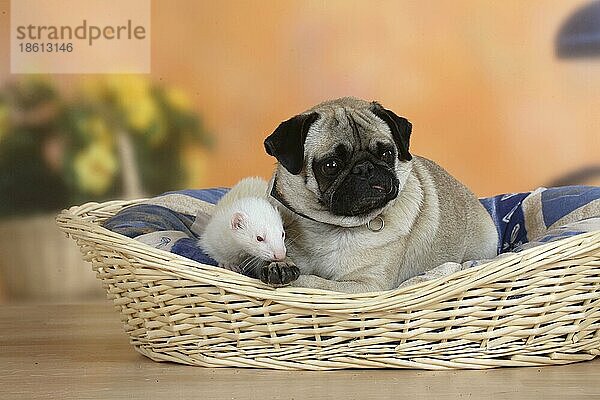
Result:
<point x="495" y="94"/>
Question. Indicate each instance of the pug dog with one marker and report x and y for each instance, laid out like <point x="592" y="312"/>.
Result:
<point x="361" y="213"/>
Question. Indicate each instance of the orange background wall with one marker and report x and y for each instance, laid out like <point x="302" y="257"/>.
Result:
<point x="478" y="79"/>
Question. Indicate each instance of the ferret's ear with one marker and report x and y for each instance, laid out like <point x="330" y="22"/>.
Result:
<point x="238" y="220"/>
<point x="400" y="127"/>
<point x="286" y="143"/>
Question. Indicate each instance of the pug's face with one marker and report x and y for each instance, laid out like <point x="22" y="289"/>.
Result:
<point x="342" y="162"/>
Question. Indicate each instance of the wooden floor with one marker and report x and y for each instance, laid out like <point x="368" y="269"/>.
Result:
<point x="80" y="352"/>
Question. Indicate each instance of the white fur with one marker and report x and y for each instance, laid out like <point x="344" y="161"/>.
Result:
<point x="247" y="187"/>
<point x="243" y="215"/>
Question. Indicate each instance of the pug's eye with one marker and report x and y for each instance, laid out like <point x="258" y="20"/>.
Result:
<point x="331" y="166"/>
<point x="387" y="155"/>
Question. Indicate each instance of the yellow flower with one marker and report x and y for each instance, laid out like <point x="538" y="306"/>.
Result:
<point x="134" y="96"/>
<point x="100" y="131"/>
<point x="97" y="128"/>
<point x="194" y="160"/>
<point x="4" y="113"/>
<point x="141" y="114"/>
<point x="95" y="168"/>
<point x="128" y="87"/>
<point x="94" y="89"/>
<point x="178" y="99"/>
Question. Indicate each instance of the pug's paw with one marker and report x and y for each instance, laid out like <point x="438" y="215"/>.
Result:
<point x="279" y="273"/>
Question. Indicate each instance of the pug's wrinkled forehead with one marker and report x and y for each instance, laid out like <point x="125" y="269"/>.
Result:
<point x="353" y="129"/>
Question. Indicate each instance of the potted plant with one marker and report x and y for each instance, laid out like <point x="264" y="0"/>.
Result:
<point x="112" y="137"/>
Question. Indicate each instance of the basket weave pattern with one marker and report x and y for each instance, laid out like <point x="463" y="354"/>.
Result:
<point x="537" y="307"/>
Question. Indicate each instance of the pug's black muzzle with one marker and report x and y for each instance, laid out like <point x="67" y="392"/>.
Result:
<point x="368" y="186"/>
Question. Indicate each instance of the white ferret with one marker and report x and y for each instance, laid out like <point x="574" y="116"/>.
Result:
<point x="245" y="230"/>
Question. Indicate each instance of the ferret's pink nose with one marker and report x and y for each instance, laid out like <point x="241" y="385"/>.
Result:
<point x="279" y="255"/>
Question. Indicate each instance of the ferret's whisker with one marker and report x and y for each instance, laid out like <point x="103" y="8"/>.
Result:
<point x="247" y="261"/>
<point x="292" y="240"/>
<point x="250" y="267"/>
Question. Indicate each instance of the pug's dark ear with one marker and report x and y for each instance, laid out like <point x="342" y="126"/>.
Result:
<point x="286" y="144"/>
<point x="400" y="127"/>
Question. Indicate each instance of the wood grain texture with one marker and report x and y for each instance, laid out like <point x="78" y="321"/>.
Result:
<point x="80" y="352"/>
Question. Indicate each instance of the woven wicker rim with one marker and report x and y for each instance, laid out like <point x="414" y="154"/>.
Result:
<point x="87" y="218"/>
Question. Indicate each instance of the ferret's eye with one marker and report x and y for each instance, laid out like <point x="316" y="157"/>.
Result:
<point x="260" y="238"/>
<point x="282" y="235"/>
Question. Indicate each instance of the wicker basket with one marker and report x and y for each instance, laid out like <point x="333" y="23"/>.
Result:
<point x="537" y="307"/>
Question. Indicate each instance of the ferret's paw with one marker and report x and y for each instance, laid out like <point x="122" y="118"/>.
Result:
<point x="279" y="273"/>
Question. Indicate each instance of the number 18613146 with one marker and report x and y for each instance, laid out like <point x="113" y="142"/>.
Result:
<point x="46" y="47"/>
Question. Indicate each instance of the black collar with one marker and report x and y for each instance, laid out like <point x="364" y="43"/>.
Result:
<point x="277" y="196"/>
